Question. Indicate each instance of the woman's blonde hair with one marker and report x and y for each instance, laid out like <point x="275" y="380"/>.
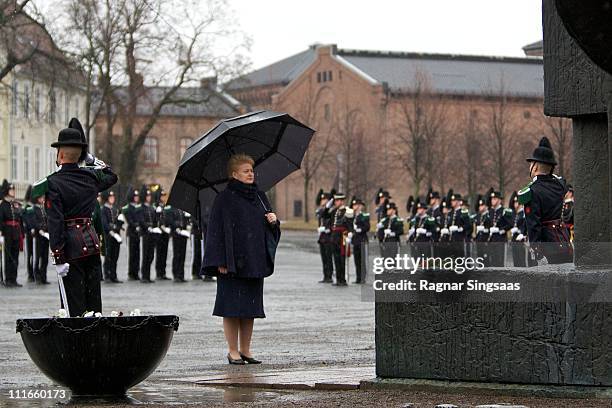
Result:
<point x="236" y="160"/>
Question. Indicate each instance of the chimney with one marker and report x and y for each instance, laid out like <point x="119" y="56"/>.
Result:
<point x="209" y="82"/>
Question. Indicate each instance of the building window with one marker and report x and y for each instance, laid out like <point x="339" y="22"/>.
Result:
<point x="185" y="142"/>
<point x="66" y="108"/>
<point x="297" y="208"/>
<point x="76" y="107"/>
<point x="14" y="161"/>
<point x="526" y="114"/>
<point x="26" y="163"/>
<point x="318" y="77"/>
<point x="329" y="75"/>
<point x="150" y="150"/>
<point x="52" y="106"/>
<point x="324" y="76"/>
<point x="26" y="101"/>
<point x="37" y="103"/>
<point x="37" y="163"/>
<point x="15" y="99"/>
<point x="327" y="112"/>
<point x="52" y="159"/>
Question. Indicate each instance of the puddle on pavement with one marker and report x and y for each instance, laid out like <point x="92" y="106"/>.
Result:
<point x="171" y="394"/>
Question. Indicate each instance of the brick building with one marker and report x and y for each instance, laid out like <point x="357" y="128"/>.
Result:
<point x="403" y="121"/>
<point x="178" y="125"/>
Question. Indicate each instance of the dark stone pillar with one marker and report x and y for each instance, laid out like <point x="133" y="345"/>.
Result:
<point x="592" y="189"/>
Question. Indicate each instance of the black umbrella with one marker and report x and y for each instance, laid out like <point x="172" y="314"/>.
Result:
<point x="276" y="142"/>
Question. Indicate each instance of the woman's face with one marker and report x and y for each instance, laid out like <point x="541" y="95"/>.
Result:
<point x="244" y="173"/>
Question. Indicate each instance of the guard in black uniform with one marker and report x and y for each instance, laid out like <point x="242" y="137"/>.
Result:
<point x="568" y="211"/>
<point x="161" y="249"/>
<point x="112" y="225"/>
<point x="389" y="231"/>
<point x="459" y="226"/>
<point x="498" y="223"/>
<point x="149" y="231"/>
<point x="421" y="232"/>
<point x="41" y="240"/>
<point x="10" y="226"/>
<point x="27" y="220"/>
<point x="359" y="238"/>
<point x="342" y="225"/>
<point x="480" y="229"/>
<point x="70" y="203"/>
<point x="180" y="225"/>
<point x="543" y="199"/>
<point x="326" y="247"/>
<point x="381" y="200"/>
<point x="133" y="217"/>
<point x="518" y="232"/>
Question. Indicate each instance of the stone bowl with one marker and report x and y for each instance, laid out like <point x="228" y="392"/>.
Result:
<point x="98" y="356"/>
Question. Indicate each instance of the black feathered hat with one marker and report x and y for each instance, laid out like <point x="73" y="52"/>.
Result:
<point x="496" y="194"/>
<point x="69" y="137"/>
<point x="6" y="186"/>
<point x="28" y="194"/>
<point x="513" y="198"/>
<point x="319" y="197"/>
<point x="75" y="124"/>
<point x="391" y="205"/>
<point x="480" y="200"/>
<point x="410" y="204"/>
<point x="543" y="153"/>
<point x="488" y="196"/>
<point x="419" y="204"/>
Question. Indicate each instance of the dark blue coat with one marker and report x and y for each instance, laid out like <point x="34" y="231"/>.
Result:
<point x="238" y="235"/>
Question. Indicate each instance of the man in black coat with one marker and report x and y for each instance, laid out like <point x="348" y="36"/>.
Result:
<point x="112" y="226"/>
<point x="359" y="238"/>
<point x="10" y="228"/>
<point x="499" y="221"/>
<point x="180" y="224"/>
<point x="133" y="217"/>
<point x="543" y="199"/>
<point x="459" y="226"/>
<point x="70" y="202"/>
<point x="326" y="247"/>
<point x="161" y="248"/>
<point x="27" y="219"/>
<point x="41" y="240"/>
<point x="150" y="232"/>
<point x="342" y="225"/>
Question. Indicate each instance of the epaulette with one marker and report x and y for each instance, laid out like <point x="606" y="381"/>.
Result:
<point x="399" y="219"/>
<point x="167" y="207"/>
<point x="524" y="194"/>
<point x="29" y="209"/>
<point x="40" y="188"/>
<point x="464" y="211"/>
<point x="507" y="211"/>
<point x="125" y="207"/>
<point x="365" y="214"/>
<point x="473" y="216"/>
<point x="431" y="219"/>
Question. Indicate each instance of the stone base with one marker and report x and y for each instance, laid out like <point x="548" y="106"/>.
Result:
<point x="481" y="388"/>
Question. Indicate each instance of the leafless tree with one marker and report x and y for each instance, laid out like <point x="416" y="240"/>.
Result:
<point x="472" y="160"/>
<point x="559" y="131"/>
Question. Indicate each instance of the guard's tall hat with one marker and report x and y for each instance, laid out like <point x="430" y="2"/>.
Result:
<point x="543" y="153"/>
<point x="69" y="137"/>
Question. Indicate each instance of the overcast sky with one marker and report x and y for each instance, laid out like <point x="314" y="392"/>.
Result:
<point x="280" y="28"/>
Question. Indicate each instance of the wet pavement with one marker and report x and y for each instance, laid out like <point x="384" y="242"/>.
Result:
<point x="324" y="333"/>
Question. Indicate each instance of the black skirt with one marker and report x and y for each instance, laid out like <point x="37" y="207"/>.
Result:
<point x="239" y="297"/>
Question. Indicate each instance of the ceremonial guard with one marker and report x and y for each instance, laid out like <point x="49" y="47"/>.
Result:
<point x="41" y="240"/>
<point x="341" y="234"/>
<point x="459" y="226"/>
<point x="479" y="226"/>
<point x="180" y="225"/>
<point x="421" y="232"/>
<point x="381" y="201"/>
<point x="389" y="231"/>
<point x="132" y="215"/>
<point x="10" y="226"/>
<point x="498" y="223"/>
<point x="568" y="211"/>
<point x="27" y="219"/>
<point x="442" y="248"/>
<point x="112" y="226"/>
<point x="543" y="200"/>
<point x="70" y="202"/>
<point x="361" y="226"/>
<point x="520" y="255"/>
<point x="161" y="249"/>
<point x="149" y="231"/>
<point x="326" y="246"/>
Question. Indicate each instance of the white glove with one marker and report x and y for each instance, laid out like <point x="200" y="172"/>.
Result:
<point x="62" y="270"/>
<point x="158" y="209"/>
<point x="350" y="235"/>
<point x="184" y="233"/>
<point x="453" y="228"/>
<point x="410" y="232"/>
<point x="514" y="230"/>
<point x="329" y="204"/>
<point x="156" y="230"/>
<point x="137" y="229"/>
<point x="116" y="236"/>
<point x="444" y="231"/>
<point x="420" y="231"/>
<point x="357" y="229"/>
<point x="46" y="235"/>
<point x="321" y="229"/>
<point x="350" y="213"/>
<point x="189" y="228"/>
<point x="502" y="231"/>
<point x="187" y="215"/>
<point x="149" y="229"/>
<point x="520" y="237"/>
<point x="33" y="231"/>
<point x="1" y="240"/>
<point x="480" y="228"/>
<point x="121" y="218"/>
<point x="348" y="241"/>
<point x="493" y="230"/>
<point x="379" y="225"/>
<point x="167" y="230"/>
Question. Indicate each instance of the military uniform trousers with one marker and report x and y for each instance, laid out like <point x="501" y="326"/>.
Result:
<point x="11" y="256"/>
<point x="339" y="262"/>
<point x="326" y="249"/>
<point x="111" y="256"/>
<point x="496" y="249"/>
<point x="42" y="259"/>
<point x="161" y="256"/>
<point x="360" y="251"/>
<point x="179" y="247"/>
<point x="29" y="244"/>
<point x="133" y="255"/>
<point x="149" y="240"/>
<point x="83" y="285"/>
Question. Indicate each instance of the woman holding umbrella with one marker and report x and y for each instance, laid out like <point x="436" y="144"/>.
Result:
<point x="239" y="250"/>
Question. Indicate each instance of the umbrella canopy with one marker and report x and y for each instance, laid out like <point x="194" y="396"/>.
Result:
<point x="276" y="141"/>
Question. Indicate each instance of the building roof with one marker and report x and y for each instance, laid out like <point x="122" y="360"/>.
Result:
<point x="534" y="46"/>
<point x="188" y="101"/>
<point x="447" y="73"/>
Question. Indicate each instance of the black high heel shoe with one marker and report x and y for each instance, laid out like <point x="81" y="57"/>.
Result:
<point x="249" y="360"/>
<point x="238" y="361"/>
